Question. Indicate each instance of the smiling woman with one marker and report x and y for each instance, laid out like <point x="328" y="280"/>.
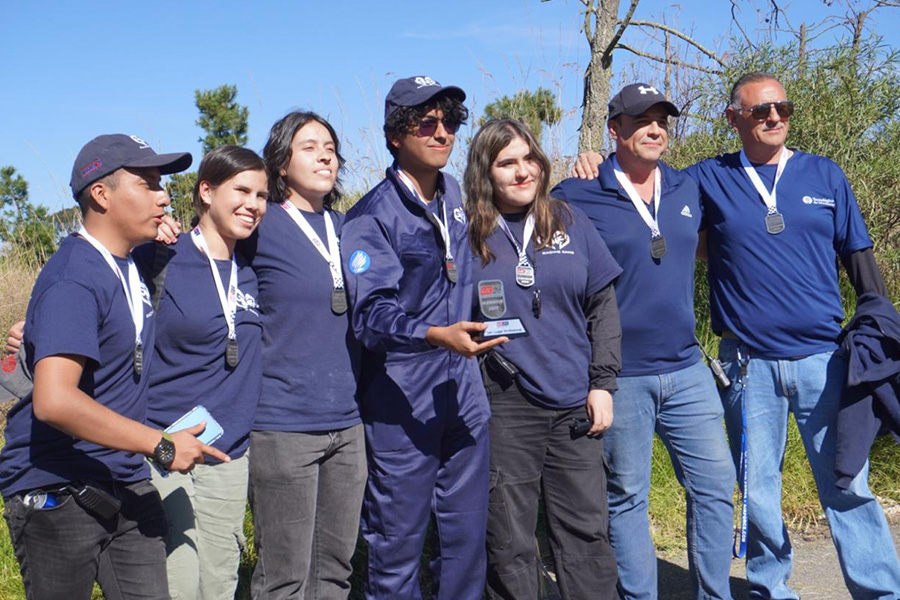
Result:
<point x="207" y="353"/>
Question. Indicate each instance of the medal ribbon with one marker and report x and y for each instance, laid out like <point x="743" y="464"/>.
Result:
<point x="229" y="302"/>
<point x="333" y="254"/>
<point x="442" y="226"/>
<point x="636" y="199"/>
<point x="768" y="198"/>
<point x="521" y="251"/>
<point x="132" y="287"/>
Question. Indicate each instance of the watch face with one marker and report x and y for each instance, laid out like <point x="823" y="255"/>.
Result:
<point x="164" y="453"/>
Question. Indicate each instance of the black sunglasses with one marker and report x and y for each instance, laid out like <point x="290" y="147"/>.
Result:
<point x="427" y="127"/>
<point x="784" y="108"/>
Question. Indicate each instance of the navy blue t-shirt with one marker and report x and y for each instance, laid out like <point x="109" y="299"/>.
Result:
<point x="310" y="358"/>
<point x="78" y="307"/>
<point x="779" y="293"/>
<point x="553" y="360"/>
<point x="655" y="296"/>
<point x="189" y="366"/>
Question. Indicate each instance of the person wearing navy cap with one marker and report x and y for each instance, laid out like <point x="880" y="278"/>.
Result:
<point x="649" y="215"/>
<point x="79" y="505"/>
<point x="423" y="405"/>
<point x="776" y="219"/>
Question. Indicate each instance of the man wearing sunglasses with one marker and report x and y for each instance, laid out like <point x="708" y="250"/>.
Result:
<point x="775" y="219"/>
<point x="406" y="251"/>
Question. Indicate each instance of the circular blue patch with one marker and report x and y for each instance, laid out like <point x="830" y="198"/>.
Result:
<point x="359" y="262"/>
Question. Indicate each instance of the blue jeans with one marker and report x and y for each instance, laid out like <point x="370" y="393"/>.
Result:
<point x="810" y="388"/>
<point x="684" y="409"/>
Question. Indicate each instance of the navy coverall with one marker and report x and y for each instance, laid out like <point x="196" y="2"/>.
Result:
<point x="424" y="409"/>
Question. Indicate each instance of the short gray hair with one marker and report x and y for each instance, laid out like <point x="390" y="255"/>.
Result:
<point x="752" y="77"/>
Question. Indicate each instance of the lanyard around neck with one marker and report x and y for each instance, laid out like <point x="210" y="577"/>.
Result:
<point x="521" y="250"/>
<point x="652" y="221"/>
<point x="131" y="287"/>
<point x="229" y="301"/>
<point x="442" y="226"/>
<point x="767" y="197"/>
<point x="332" y="254"/>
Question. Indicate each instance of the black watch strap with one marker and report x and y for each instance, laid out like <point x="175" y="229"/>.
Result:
<point x="164" y="453"/>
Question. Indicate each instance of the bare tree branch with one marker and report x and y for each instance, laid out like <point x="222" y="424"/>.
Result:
<point x="673" y="61"/>
<point x="736" y="21"/>
<point x="606" y="59"/>
<point x="682" y="36"/>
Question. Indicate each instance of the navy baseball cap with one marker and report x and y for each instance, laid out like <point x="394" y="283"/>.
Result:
<point x="107" y="153"/>
<point x="635" y="99"/>
<point x="413" y="91"/>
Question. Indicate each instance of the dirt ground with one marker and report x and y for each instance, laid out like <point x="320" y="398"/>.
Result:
<point x="816" y="574"/>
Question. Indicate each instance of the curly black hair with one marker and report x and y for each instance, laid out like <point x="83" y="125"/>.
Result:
<point x="405" y="118"/>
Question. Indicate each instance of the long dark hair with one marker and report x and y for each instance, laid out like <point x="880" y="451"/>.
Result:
<point x="550" y="215"/>
<point x="221" y="164"/>
<point x="277" y="154"/>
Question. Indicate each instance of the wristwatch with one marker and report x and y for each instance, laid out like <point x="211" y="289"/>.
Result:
<point x="164" y="453"/>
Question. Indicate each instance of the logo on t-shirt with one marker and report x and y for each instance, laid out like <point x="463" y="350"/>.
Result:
<point x="686" y="212"/>
<point x="559" y="240"/>
<point x="246" y="302"/>
<point x="459" y="215"/>
<point x="145" y="298"/>
<point x="359" y="262"/>
<point x="819" y="201"/>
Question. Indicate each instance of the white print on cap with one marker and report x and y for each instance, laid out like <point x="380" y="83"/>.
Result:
<point x="686" y="211"/>
<point x="425" y="81"/>
<point x="646" y="90"/>
<point x="139" y="142"/>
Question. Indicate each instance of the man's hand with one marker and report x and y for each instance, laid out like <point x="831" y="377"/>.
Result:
<point x="460" y="338"/>
<point x="587" y="165"/>
<point x="14" y="339"/>
<point x="599" y="407"/>
<point x="168" y="230"/>
<point x="189" y="450"/>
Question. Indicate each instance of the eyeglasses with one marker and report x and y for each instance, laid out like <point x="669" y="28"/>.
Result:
<point x="427" y="127"/>
<point x="784" y="108"/>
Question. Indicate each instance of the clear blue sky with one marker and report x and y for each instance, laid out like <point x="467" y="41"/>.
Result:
<point x="72" y="70"/>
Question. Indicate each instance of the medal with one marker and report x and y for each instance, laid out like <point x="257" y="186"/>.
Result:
<point x="657" y="241"/>
<point x="443" y="227"/>
<point x="133" y="295"/>
<point x="452" y="273"/>
<point x="774" y="219"/>
<point x="331" y="254"/>
<point x="231" y="353"/>
<point x="491" y="298"/>
<point x="657" y="246"/>
<point x="338" y="301"/>
<point x="524" y="268"/>
<point x="228" y="300"/>
<point x="775" y="223"/>
<point x="138" y="359"/>
<point x="525" y="275"/>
